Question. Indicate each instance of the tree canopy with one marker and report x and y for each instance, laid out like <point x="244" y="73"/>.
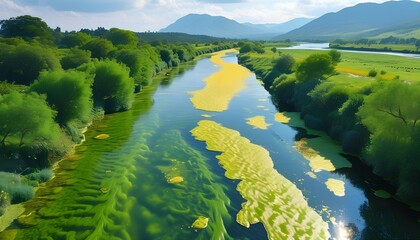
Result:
<point x="120" y="37"/>
<point x="23" y="63"/>
<point x="315" y="67"/>
<point x="26" y="119"/>
<point x="27" y="27"/>
<point x="67" y="92"/>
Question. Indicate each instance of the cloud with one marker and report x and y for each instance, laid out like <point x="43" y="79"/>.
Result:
<point x="85" y="5"/>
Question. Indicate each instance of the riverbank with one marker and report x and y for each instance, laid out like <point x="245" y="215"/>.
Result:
<point x="331" y="105"/>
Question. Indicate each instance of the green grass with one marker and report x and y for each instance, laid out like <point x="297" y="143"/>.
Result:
<point x="353" y="66"/>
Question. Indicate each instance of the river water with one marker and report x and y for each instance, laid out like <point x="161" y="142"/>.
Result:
<point x="151" y="179"/>
<point x="325" y="46"/>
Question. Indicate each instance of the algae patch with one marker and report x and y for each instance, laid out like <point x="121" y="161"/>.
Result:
<point x="281" y="118"/>
<point x="270" y="198"/>
<point x="101" y="136"/>
<point x="336" y="186"/>
<point x="221" y="86"/>
<point x="258" y="122"/>
<point x="201" y="222"/>
<point x="316" y="161"/>
<point x="176" y="179"/>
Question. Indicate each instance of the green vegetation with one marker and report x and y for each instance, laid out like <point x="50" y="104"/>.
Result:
<point x="53" y="84"/>
<point x="374" y="117"/>
<point x="387" y="44"/>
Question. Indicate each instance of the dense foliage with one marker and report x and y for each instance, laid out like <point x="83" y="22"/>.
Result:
<point x="378" y="122"/>
<point x="53" y="84"/>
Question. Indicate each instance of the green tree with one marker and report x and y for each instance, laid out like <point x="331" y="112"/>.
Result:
<point x="74" y="58"/>
<point x="391" y="113"/>
<point x="113" y="88"/>
<point x="26" y="120"/>
<point x="335" y="56"/>
<point x="24" y="64"/>
<point x="315" y="67"/>
<point x="27" y="27"/>
<point x="75" y="39"/>
<point x="67" y="92"/>
<point x="284" y="64"/>
<point x="120" y="37"/>
<point x="99" y="47"/>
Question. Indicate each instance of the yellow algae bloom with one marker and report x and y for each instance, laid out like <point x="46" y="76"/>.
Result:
<point x="201" y="222"/>
<point x="336" y="186"/>
<point x="316" y="161"/>
<point x="176" y="179"/>
<point x="101" y="136"/>
<point x="311" y="174"/>
<point x="280" y="117"/>
<point x="206" y="115"/>
<point x="270" y="198"/>
<point x="221" y="86"/>
<point x="258" y="122"/>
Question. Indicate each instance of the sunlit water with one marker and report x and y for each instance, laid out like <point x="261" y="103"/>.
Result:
<point x="325" y="46"/>
<point x="119" y="188"/>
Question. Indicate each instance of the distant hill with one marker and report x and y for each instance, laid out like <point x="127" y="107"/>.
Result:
<point x="178" y="37"/>
<point x="360" y="21"/>
<point x="282" y="27"/>
<point x="217" y="26"/>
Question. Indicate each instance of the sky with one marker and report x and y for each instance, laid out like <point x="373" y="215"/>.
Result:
<point x="153" y="15"/>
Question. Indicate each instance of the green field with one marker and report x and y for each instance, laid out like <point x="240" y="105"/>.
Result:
<point x="354" y="66"/>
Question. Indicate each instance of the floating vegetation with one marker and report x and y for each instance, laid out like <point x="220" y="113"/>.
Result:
<point x="336" y="186"/>
<point x="280" y="117"/>
<point x="171" y="208"/>
<point x="206" y="115"/>
<point x="221" y="86"/>
<point x="176" y="179"/>
<point x="201" y="222"/>
<point x="382" y="194"/>
<point x="258" y="122"/>
<point x="316" y="161"/>
<point x="101" y="136"/>
<point x="270" y="198"/>
<point x="311" y="174"/>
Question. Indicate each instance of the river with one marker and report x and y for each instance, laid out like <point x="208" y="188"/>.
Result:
<point x="325" y="46"/>
<point x="154" y="176"/>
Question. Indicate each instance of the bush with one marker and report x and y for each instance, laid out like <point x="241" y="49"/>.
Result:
<point x="40" y="176"/>
<point x="75" y="58"/>
<point x="17" y="190"/>
<point x="372" y="73"/>
<point x="113" y="88"/>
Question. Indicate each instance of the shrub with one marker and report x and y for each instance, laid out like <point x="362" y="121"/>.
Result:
<point x="372" y="73"/>
<point x="40" y="176"/>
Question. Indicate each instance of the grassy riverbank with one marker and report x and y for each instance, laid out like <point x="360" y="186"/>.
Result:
<point x="355" y="105"/>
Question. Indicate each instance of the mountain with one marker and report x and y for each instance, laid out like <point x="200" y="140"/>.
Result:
<point x="217" y="26"/>
<point x="282" y="27"/>
<point x="359" y="21"/>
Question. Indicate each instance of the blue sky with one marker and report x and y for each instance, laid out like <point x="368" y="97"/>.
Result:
<point x="144" y="15"/>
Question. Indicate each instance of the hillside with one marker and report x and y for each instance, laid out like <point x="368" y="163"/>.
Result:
<point x="177" y="37"/>
<point x="360" y="21"/>
<point x="217" y="26"/>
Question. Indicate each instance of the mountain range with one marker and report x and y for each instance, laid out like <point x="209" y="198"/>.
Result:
<point x="218" y="26"/>
<point x="364" y="20"/>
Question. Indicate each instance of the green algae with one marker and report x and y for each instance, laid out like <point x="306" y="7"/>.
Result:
<point x="174" y="207"/>
<point x="270" y="198"/>
<point x="85" y="200"/>
<point x="201" y="222"/>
